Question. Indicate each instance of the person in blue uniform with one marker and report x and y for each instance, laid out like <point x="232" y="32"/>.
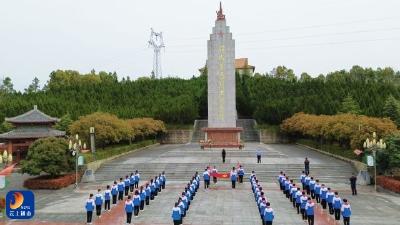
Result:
<point x="98" y="201"/>
<point x="298" y="200"/>
<point x="268" y="214"/>
<point x="107" y="198"/>
<point x="121" y="187"/>
<point x="317" y="191"/>
<point x="128" y="209"/>
<point x="89" y="206"/>
<point x="136" y="203"/>
<point x="329" y="199"/>
<point x="307" y="180"/>
<point x="148" y="193"/>
<point x="185" y="202"/>
<point x="312" y="186"/>
<point x="152" y="189"/>
<point x="181" y="206"/>
<point x="132" y="181"/>
<point x="310" y="211"/>
<point x="176" y="215"/>
<point x="346" y="212"/>
<point x="114" y="192"/>
<point x="137" y="179"/>
<point x="241" y="174"/>
<point x="302" y="179"/>
<point x="280" y="176"/>
<point x="293" y="195"/>
<point x="142" y="194"/>
<point x="126" y="185"/>
<point x="324" y="191"/>
<point x="206" y="177"/>
<point x="337" y="205"/>
<point x="233" y="176"/>
<point x="303" y="203"/>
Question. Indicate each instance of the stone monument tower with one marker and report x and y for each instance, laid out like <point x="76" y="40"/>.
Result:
<point x="222" y="130"/>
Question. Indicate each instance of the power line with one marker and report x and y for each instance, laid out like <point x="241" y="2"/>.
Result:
<point x="307" y="36"/>
<point x="298" y="28"/>
<point x="310" y="45"/>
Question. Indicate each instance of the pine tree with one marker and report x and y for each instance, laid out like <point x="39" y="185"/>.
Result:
<point x="349" y="105"/>
<point x="391" y="109"/>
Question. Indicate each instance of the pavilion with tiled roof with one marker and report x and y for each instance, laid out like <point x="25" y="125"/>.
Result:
<point x="28" y="127"/>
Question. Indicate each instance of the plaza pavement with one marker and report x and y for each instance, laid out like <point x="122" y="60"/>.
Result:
<point x="220" y="204"/>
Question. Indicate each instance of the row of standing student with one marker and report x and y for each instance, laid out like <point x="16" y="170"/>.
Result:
<point x="303" y="203"/>
<point x="235" y="175"/>
<point x="182" y="205"/>
<point x="121" y="189"/>
<point x="264" y="207"/>
<point x="302" y="200"/>
<point x="324" y="195"/>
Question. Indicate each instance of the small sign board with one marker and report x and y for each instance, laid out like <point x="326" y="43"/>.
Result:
<point x="2" y="181"/>
<point x="357" y="152"/>
<point x="81" y="160"/>
<point x="370" y="160"/>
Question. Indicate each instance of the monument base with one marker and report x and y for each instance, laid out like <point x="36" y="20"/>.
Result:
<point x="222" y="137"/>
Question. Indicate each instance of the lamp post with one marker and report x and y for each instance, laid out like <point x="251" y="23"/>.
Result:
<point x="74" y="148"/>
<point x="374" y="146"/>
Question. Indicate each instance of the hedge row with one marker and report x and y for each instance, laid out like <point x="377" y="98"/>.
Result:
<point x="389" y="183"/>
<point x="46" y="182"/>
<point x="347" y="129"/>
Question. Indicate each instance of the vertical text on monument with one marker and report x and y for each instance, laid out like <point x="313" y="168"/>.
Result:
<point x="221" y="76"/>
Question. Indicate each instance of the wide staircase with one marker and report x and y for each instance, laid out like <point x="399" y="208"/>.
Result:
<point x="182" y="171"/>
<point x="198" y="134"/>
<point x="249" y="133"/>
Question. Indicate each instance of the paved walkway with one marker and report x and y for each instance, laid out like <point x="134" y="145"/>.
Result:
<point x="220" y="204"/>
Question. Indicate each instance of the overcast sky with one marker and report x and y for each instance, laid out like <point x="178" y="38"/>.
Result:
<point x="314" y="36"/>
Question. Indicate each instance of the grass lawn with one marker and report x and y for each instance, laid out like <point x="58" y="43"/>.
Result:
<point x="115" y="150"/>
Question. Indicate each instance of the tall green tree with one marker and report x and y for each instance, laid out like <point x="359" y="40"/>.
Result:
<point x="392" y="109"/>
<point x="7" y="86"/>
<point x="349" y="105"/>
<point x="64" y="123"/>
<point x="33" y="87"/>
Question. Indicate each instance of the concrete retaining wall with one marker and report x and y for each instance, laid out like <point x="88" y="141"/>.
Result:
<point x="177" y="137"/>
<point x="97" y="164"/>
<point x="272" y="137"/>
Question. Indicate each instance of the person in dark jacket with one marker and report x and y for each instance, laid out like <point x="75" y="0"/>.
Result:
<point x="353" y="183"/>
<point x="223" y="155"/>
<point x="307" y="166"/>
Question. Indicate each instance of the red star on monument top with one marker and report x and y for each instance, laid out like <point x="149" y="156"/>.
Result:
<point x="220" y="14"/>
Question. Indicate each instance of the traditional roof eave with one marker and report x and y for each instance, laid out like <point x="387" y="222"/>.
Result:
<point x="32" y="116"/>
<point x="31" y="134"/>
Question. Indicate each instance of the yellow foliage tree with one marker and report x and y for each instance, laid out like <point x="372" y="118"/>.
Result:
<point x="347" y="129"/>
<point x="142" y="127"/>
<point x="109" y="128"/>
